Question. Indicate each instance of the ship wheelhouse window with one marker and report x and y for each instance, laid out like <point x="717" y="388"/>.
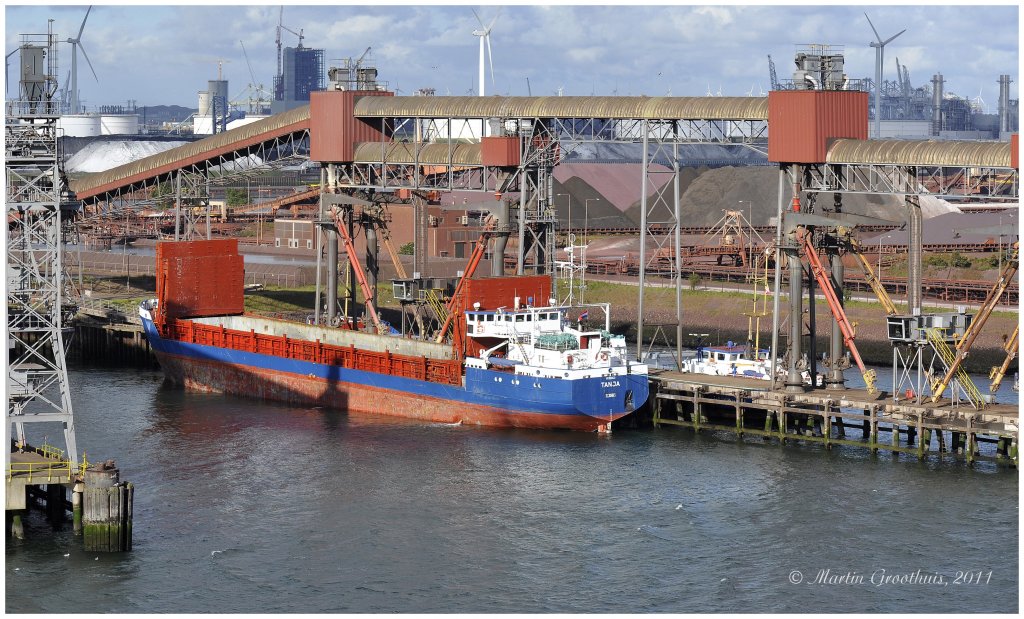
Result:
<point x="520" y="318"/>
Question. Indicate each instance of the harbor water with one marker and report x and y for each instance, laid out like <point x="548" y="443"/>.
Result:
<point x="253" y="507"/>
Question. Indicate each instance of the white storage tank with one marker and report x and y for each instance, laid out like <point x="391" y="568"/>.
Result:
<point x="204" y="103"/>
<point x="119" y="124"/>
<point x="79" y="125"/>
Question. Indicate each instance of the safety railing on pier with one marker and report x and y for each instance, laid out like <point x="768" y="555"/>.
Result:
<point x="56" y="466"/>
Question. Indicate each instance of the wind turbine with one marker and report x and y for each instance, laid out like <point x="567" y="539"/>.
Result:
<point x="485" y="37"/>
<point x="76" y="44"/>
<point x="879" y="56"/>
<point x="979" y="103"/>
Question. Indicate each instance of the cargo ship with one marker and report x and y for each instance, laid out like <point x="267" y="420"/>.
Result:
<point x="511" y="362"/>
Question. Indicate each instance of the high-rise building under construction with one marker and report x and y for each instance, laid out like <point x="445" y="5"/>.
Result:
<point x="302" y="72"/>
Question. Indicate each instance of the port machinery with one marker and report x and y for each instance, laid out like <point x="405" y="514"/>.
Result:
<point x="386" y="144"/>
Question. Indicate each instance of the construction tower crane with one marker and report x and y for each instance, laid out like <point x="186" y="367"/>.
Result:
<point x="771" y="73"/>
<point x="963" y="347"/>
<point x="279" y="76"/>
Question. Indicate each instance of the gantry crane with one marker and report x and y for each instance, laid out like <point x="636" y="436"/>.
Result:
<point x="963" y="347"/>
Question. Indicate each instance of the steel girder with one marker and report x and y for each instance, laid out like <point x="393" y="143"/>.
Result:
<point x="37" y="382"/>
<point x="944" y="182"/>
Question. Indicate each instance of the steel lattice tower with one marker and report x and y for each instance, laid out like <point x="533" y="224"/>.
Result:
<point x="37" y="304"/>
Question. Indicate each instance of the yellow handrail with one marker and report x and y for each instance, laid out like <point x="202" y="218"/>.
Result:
<point x="935" y="337"/>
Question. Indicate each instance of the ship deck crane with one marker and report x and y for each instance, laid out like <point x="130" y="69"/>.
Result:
<point x="963" y="347"/>
<point x="825" y="283"/>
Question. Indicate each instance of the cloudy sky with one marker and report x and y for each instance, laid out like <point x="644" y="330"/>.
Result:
<point x="163" y="54"/>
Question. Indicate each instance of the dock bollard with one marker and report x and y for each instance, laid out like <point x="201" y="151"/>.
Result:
<point x="108" y="509"/>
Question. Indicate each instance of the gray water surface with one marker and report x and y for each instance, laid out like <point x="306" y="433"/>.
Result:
<point x="249" y="507"/>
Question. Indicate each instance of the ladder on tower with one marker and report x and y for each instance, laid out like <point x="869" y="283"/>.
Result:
<point x="948" y="357"/>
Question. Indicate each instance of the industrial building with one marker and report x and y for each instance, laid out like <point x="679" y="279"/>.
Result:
<point x="302" y="72"/>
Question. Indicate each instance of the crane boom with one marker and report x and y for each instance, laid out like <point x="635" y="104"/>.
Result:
<point x="872" y="279"/>
<point x="837" y="310"/>
<point x="357" y="267"/>
<point x="998" y="373"/>
<point x="474" y="260"/>
<point x="963" y="347"/>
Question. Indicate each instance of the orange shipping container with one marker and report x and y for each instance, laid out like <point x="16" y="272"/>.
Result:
<point x="499" y="151"/>
<point x="199" y="278"/>
<point x="802" y="122"/>
<point x="334" y="130"/>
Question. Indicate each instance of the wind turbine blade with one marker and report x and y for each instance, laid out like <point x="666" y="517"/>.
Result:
<point x="88" y="61"/>
<point x="79" y="37"/>
<point x="491" y="25"/>
<point x="877" y="37"/>
<point x="894" y="36"/>
<point x="490" y="58"/>
<point x="479" y="21"/>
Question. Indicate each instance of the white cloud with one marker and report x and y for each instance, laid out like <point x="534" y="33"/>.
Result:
<point x="162" y="55"/>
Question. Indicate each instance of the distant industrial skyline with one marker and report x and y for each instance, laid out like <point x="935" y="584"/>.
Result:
<point x="162" y="54"/>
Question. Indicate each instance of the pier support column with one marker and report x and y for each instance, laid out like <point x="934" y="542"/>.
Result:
<point x="17" y="528"/>
<point x="834" y="380"/>
<point x="76" y="507"/>
<point x="108" y="510"/>
<point x="914" y="254"/>
<point x="371" y="261"/>
<point x="794" y="382"/>
<point x="332" y="275"/>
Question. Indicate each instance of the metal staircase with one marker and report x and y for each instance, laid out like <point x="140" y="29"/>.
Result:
<point x="949" y="360"/>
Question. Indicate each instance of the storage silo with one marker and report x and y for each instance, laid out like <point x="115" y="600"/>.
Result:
<point x="119" y="124"/>
<point x="218" y="90"/>
<point x="204" y="103"/>
<point x="79" y="125"/>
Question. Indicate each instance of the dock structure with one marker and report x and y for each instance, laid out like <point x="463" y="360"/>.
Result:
<point x="748" y="406"/>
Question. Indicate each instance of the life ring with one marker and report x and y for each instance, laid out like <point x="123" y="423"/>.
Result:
<point x="603" y="356"/>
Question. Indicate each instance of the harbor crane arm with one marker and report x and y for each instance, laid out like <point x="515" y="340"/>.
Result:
<point x="837" y="310"/>
<point x="998" y="373"/>
<point x="474" y="260"/>
<point x="357" y="267"/>
<point x="963" y="347"/>
<point x="388" y="245"/>
<point x="872" y="279"/>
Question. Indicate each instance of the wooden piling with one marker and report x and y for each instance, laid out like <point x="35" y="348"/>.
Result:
<point x="108" y="509"/>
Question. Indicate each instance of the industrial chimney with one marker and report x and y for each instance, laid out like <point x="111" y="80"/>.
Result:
<point x="1004" y="104"/>
<point x="936" y="103"/>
